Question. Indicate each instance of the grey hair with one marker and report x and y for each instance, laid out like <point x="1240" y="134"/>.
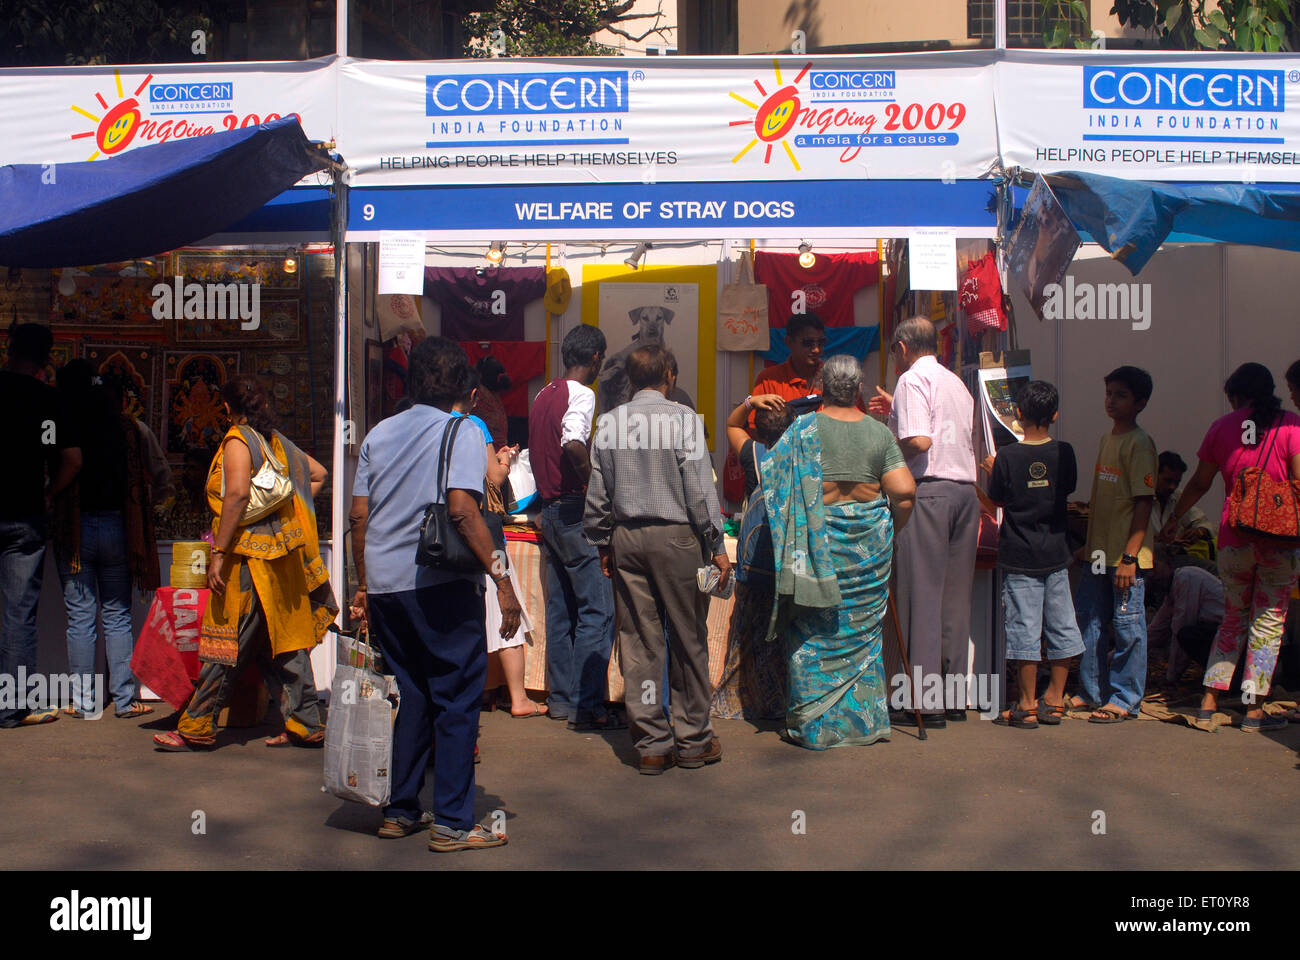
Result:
<point x="841" y="380"/>
<point x="918" y="334"/>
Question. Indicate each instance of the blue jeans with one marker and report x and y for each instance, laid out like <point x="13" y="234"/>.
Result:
<point x="1099" y="605"/>
<point x="22" y="568"/>
<point x="101" y="588"/>
<point x="1039" y="614"/>
<point x="434" y="641"/>
<point x="579" y="614"/>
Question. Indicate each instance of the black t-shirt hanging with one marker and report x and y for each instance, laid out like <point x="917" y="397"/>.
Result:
<point x="1032" y="481"/>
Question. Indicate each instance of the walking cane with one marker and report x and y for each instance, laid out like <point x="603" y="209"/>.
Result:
<point x="907" y="670"/>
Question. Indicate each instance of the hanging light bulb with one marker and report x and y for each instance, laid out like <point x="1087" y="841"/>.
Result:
<point x="806" y="257"/>
<point x="496" y="252"/>
<point x="67" y="285"/>
<point x="290" y="265"/>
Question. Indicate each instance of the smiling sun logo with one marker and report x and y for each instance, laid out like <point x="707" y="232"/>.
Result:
<point x="774" y="117"/>
<point x="118" y="125"/>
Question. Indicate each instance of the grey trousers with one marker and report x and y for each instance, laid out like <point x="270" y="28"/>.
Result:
<point x="935" y="567"/>
<point x="655" y="593"/>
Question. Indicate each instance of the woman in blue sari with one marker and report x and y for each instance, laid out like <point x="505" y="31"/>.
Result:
<point x="836" y="488"/>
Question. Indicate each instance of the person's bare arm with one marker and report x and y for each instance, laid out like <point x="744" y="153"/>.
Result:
<point x="463" y="509"/>
<point x="738" y="421"/>
<point x="499" y="463"/>
<point x="911" y="446"/>
<point x="237" y="469"/>
<point x="69" y="467"/>
<point x="900" y="487"/>
<point x="1125" y="573"/>
<point x="1295" y="467"/>
<point x="317" y="475"/>
<point x="580" y="459"/>
<point x="1196" y="488"/>
<point x="357" y="518"/>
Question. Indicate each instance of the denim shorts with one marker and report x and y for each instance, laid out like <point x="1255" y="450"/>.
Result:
<point x="1039" y="612"/>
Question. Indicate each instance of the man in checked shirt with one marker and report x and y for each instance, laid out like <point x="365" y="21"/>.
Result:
<point x="652" y="512"/>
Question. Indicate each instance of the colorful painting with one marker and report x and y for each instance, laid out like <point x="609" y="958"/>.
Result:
<point x="134" y="369"/>
<point x="106" y="302"/>
<point x="287" y="377"/>
<point x="192" y="407"/>
<point x="278" y="322"/>
<point x="26" y="300"/>
<point x="220" y="267"/>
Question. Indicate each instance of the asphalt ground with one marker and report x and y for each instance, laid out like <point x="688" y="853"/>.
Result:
<point x="94" y="795"/>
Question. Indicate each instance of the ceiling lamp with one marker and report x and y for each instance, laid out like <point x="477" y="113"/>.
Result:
<point x="637" y="253"/>
<point x="496" y="252"/>
<point x="806" y="257"/>
<point x="290" y="265"/>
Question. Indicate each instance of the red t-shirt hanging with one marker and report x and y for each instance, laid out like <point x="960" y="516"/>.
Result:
<point x="828" y="285"/>
<point x="523" y="360"/>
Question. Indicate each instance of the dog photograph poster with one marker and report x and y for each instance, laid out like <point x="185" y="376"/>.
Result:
<point x="634" y="314"/>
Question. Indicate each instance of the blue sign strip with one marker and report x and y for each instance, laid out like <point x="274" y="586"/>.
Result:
<point x="608" y="209"/>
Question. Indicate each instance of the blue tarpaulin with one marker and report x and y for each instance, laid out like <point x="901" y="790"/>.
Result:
<point x="1131" y="218"/>
<point x="148" y="200"/>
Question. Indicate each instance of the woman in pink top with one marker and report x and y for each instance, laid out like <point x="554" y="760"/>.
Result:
<point x="1257" y="576"/>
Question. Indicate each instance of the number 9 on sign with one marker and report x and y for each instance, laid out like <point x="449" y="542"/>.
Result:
<point x="368" y="212"/>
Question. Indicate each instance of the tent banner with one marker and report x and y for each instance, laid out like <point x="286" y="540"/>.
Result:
<point x="712" y="211"/>
<point x="70" y="114"/>
<point x="664" y="119"/>
<point x="1152" y="116"/>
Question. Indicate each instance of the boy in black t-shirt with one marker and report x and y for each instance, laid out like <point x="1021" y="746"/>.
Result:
<point x="1031" y="481"/>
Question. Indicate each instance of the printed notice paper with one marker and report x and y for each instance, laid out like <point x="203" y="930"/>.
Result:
<point x="932" y="260"/>
<point x="401" y="262"/>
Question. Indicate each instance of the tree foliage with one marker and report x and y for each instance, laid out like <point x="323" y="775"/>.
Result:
<point x="1258" y="26"/>
<point x="554" y="28"/>
<point x="35" y="33"/>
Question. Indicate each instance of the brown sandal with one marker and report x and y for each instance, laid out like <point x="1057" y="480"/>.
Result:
<point x="174" y="742"/>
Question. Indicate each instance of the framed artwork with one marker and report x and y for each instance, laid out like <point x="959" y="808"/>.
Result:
<point x="642" y="312"/>
<point x="27" y="300"/>
<point x="233" y="267"/>
<point x="374" y="383"/>
<point x="134" y="367"/>
<point x="106" y="303"/>
<point x="191" y="407"/>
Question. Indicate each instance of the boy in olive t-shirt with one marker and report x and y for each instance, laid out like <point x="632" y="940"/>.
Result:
<point x="1112" y="588"/>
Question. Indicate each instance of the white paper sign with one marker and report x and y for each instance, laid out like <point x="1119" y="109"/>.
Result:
<point x="401" y="262"/>
<point x="932" y="260"/>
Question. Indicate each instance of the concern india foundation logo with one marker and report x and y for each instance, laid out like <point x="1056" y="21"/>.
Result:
<point x="117" y="126"/>
<point x="774" y="117"/>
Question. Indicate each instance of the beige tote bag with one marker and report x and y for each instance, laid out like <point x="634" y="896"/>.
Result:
<point x="742" y="311"/>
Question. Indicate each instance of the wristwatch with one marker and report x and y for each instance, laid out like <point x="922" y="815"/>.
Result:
<point x="1129" y="558"/>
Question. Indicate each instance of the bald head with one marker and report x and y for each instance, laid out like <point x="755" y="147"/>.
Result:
<point x="915" y="337"/>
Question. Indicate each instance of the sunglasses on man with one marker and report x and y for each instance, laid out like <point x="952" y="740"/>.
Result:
<point x="809" y="342"/>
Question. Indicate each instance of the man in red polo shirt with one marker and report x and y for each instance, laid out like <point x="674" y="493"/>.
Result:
<point x="805" y="335"/>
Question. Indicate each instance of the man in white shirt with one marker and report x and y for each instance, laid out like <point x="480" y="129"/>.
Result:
<point x="931" y="413"/>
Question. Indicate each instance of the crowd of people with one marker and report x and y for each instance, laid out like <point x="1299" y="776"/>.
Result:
<point x="853" y="508"/>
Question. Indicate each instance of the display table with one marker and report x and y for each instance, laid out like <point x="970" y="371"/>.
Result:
<point x="528" y="561"/>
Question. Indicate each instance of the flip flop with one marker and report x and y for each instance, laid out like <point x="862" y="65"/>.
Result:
<point x="137" y="709"/>
<point x="537" y="711"/>
<point x="173" y="742"/>
<point x="1024" y="719"/>
<point x="1111" y="716"/>
<point x="446" y="840"/>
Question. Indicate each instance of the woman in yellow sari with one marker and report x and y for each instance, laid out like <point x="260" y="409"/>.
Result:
<point x="271" y="600"/>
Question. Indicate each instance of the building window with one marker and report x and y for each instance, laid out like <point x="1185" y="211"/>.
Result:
<point x="1024" y="22"/>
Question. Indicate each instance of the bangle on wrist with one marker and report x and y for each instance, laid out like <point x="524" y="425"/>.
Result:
<point x="749" y="402"/>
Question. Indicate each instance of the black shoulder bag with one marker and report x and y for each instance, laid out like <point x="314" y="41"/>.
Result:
<point x="441" y="545"/>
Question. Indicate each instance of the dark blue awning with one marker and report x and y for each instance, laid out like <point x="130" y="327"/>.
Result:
<point x="149" y="200"/>
<point x="1131" y="218"/>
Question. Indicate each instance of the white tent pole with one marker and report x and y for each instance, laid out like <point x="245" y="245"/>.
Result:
<point x="341" y="28"/>
<point x="999" y="24"/>
<point x="342" y="428"/>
